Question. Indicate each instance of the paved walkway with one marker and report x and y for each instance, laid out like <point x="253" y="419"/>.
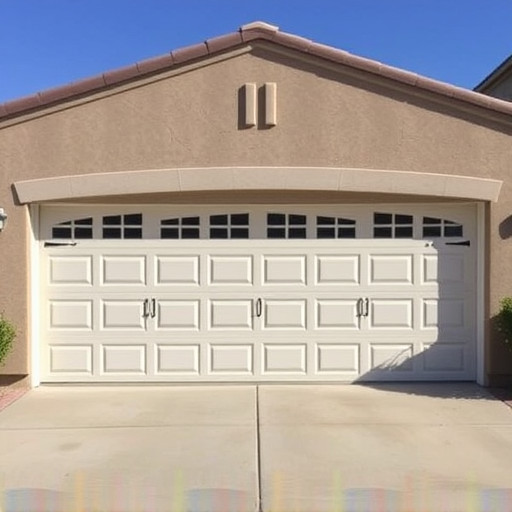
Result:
<point x="400" y="447"/>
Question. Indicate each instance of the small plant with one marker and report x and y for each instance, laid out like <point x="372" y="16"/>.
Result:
<point x="505" y="320"/>
<point x="7" y="335"/>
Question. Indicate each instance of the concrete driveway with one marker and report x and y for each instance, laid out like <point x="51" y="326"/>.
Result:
<point x="400" y="447"/>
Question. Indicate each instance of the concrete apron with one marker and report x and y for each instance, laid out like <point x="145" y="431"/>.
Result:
<point x="127" y="448"/>
<point x="400" y="447"/>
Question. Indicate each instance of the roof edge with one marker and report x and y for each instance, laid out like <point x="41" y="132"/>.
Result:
<point x="246" y="33"/>
<point x="494" y="76"/>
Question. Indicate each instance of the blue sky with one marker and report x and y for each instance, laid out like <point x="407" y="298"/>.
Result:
<point x="45" y="43"/>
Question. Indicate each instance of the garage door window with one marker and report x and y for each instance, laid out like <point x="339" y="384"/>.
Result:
<point x="123" y="226"/>
<point x="73" y="229"/>
<point x="184" y="227"/>
<point x="234" y="225"/>
<point x="335" y="227"/>
<point x="282" y="225"/>
<point x="434" y="227"/>
<point x="392" y="225"/>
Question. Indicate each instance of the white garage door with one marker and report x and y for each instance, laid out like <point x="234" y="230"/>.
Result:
<point x="258" y="293"/>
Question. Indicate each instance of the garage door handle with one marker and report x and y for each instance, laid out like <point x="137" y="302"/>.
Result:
<point x="145" y="309"/>
<point x="366" y="306"/>
<point x="259" y="307"/>
<point x="153" y="308"/>
<point x="359" y="307"/>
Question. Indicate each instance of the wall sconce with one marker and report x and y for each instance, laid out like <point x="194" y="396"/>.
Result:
<point x="3" y="219"/>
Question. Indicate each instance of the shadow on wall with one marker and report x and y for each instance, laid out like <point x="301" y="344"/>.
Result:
<point x="442" y="346"/>
<point x="505" y="228"/>
<point x="402" y="364"/>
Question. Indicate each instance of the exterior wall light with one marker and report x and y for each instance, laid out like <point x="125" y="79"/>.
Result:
<point x="3" y="219"/>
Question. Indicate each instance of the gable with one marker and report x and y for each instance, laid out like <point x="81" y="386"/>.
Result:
<point x="326" y="116"/>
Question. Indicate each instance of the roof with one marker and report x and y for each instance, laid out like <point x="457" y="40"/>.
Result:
<point x="504" y="69"/>
<point x="256" y="31"/>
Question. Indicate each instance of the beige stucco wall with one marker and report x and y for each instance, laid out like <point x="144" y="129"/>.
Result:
<point x="325" y="118"/>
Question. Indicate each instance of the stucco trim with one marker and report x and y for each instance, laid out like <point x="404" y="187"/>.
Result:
<point x="256" y="178"/>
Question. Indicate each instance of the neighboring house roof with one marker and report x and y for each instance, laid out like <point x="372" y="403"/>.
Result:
<point x="502" y="72"/>
<point x="257" y="31"/>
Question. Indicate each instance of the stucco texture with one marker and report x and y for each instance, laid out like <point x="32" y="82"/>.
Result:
<point x="327" y="116"/>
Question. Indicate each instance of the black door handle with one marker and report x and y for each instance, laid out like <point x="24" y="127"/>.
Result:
<point x="258" y="307"/>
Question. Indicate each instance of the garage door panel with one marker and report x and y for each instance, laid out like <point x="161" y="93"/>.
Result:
<point x="284" y="358"/>
<point x="284" y="314"/>
<point x="231" y="359"/>
<point x="337" y="358"/>
<point x="391" y="269"/>
<point x="178" y="359"/>
<point x="391" y="357"/>
<point x="122" y="314"/>
<point x="75" y="359"/>
<point x="444" y="314"/>
<point x="230" y="270"/>
<point x="284" y="270"/>
<point x="230" y="314"/>
<point x="447" y="270"/>
<point x="124" y="359"/>
<point x="178" y="315"/>
<point x="123" y="270"/>
<point x="391" y="314"/>
<point x="442" y="357"/>
<point x="177" y="270"/>
<point x="70" y="315"/>
<point x="336" y="270"/>
<point x="338" y="314"/>
<point x="70" y="270"/>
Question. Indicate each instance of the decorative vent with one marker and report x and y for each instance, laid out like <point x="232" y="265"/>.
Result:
<point x="259" y="105"/>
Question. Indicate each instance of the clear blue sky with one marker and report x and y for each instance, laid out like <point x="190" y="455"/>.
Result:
<point x="45" y="43"/>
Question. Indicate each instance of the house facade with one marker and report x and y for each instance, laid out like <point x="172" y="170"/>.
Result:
<point x="256" y="208"/>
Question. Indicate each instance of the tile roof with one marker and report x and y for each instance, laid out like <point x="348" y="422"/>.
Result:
<point x="256" y="31"/>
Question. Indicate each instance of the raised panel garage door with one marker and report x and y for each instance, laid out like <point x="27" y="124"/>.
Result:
<point x="257" y="293"/>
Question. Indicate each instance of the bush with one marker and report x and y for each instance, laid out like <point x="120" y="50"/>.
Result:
<point x="7" y="335"/>
<point x="505" y="320"/>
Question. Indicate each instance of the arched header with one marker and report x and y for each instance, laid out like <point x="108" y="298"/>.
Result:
<point x="256" y="178"/>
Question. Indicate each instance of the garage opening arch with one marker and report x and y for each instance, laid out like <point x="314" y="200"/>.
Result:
<point x="99" y="185"/>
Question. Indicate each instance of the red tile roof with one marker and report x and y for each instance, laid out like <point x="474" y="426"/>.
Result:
<point x="247" y="33"/>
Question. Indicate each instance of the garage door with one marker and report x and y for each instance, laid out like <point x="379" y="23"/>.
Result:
<point x="258" y="293"/>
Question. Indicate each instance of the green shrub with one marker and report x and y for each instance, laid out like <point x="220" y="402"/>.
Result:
<point x="7" y="335"/>
<point x="505" y="320"/>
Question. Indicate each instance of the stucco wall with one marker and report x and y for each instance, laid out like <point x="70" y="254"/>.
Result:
<point x="325" y="118"/>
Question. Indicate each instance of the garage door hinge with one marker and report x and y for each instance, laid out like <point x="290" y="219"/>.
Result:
<point x="467" y="243"/>
<point x="59" y="244"/>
